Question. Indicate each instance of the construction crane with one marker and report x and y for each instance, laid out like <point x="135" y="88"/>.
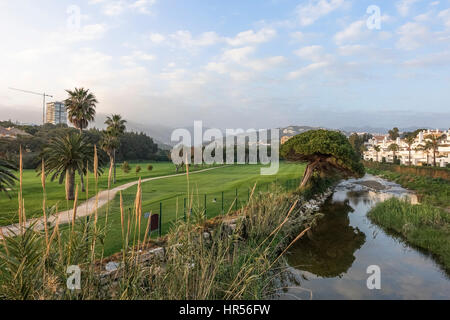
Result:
<point x="39" y="94"/>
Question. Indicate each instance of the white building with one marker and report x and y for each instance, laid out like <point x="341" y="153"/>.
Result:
<point x="418" y="157"/>
<point x="56" y="113"/>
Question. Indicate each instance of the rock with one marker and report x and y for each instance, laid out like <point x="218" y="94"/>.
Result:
<point x="112" y="266"/>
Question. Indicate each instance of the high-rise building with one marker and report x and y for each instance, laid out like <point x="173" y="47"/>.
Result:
<point x="56" y="113"/>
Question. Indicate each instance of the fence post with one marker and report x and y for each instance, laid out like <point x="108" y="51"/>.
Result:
<point x="160" y="219"/>
<point x="184" y="209"/>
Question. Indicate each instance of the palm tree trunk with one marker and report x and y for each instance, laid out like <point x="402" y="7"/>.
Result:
<point x="434" y="157"/>
<point x="71" y="185"/>
<point x="309" y="172"/>
<point x="114" y="159"/>
<point x="82" y="183"/>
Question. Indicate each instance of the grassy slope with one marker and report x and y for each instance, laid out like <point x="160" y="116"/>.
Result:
<point x="424" y="226"/>
<point x="32" y="190"/>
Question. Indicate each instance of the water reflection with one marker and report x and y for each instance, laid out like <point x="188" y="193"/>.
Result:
<point x="328" y="250"/>
<point x="331" y="261"/>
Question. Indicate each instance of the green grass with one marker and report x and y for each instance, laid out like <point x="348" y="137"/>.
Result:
<point x="32" y="190"/>
<point x="173" y="191"/>
<point x="424" y="226"/>
<point x="435" y="192"/>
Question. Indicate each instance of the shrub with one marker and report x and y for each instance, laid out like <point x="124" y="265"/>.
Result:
<point x="149" y="167"/>
<point x="138" y="169"/>
<point x="126" y="167"/>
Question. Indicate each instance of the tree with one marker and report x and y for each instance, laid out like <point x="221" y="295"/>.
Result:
<point x="126" y="167"/>
<point x="66" y="156"/>
<point x="434" y="142"/>
<point x="109" y="144"/>
<point x="7" y="177"/>
<point x="325" y="151"/>
<point x="394" y="148"/>
<point x="149" y="167"/>
<point x="80" y="106"/>
<point x="394" y="134"/>
<point x="377" y="150"/>
<point x="115" y="128"/>
<point x="410" y="141"/>
<point x="138" y="169"/>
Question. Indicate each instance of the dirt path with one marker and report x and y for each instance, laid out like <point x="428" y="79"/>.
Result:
<point x="87" y="207"/>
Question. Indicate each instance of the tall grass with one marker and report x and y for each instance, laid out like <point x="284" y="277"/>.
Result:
<point x="229" y="257"/>
<point x="423" y="225"/>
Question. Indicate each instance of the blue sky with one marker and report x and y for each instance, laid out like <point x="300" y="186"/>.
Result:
<point x="232" y="63"/>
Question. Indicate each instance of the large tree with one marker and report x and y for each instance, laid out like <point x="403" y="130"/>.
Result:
<point x="7" y="177"/>
<point x="80" y="106"/>
<point x="394" y="133"/>
<point x="325" y="151"/>
<point x="66" y="156"/>
<point x="115" y="128"/>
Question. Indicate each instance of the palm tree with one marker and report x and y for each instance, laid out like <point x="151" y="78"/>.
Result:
<point x="109" y="144"/>
<point x="65" y="157"/>
<point x="377" y="149"/>
<point x="80" y="106"/>
<point x="394" y="148"/>
<point x="410" y="141"/>
<point x="434" y="141"/>
<point x="115" y="128"/>
<point x="7" y="178"/>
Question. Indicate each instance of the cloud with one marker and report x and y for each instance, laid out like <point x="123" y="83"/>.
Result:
<point x="412" y="36"/>
<point x="136" y="57"/>
<point x="404" y="6"/>
<point x="315" y="9"/>
<point x="157" y="38"/>
<point x="445" y="17"/>
<point x="252" y="37"/>
<point x="354" y="32"/>
<point x="185" y="39"/>
<point x="117" y="7"/>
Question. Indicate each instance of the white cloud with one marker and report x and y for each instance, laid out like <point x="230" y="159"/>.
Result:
<point x="252" y="37"/>
<point x="315" y="9"/>
<point x="404" y="6"/>
<point x="308" y="69"/>
<point x="157" y="37"/>
<point x="445" y="17"/>
<point x="354" y="32"/>
<point x="185" y="39"/>
<point x="313" y="53"/>
<point x="412" y="36"/>
<point x="136" y="57"/>
<point x="117" y="7"/>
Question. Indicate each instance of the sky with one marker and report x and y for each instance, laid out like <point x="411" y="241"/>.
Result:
<point x="251" y="64"/>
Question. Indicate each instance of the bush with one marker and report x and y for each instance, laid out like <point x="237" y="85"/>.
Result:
<point x="126" y="167"/>
<point x="149" y="167"/>
<point x="138" y="169"/>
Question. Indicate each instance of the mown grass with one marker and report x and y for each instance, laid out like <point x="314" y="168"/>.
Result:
<point x="32" y="190"/>
<point x="435" y="192"/>
<point x="423" y="225"/>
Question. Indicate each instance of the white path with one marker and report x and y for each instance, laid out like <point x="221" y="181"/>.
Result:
<point x="87" y="207"/>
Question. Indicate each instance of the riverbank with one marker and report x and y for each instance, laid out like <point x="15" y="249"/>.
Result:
<point x="422" y="225"/>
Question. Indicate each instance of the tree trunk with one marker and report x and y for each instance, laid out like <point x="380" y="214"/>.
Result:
<point x="82" y="183"/>
<point x="111" y="164"/>
<point x="71" y="186"/>
<point x="114" y="159"/>
<point x="309" y="172"/>
<point x="434" y="157"/>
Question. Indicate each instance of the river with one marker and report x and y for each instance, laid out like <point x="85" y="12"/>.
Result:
<point x="331" y="261"/>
